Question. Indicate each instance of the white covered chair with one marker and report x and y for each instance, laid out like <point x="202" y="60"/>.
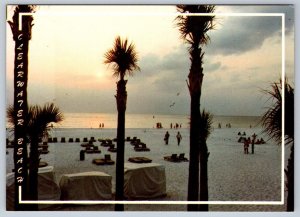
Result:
<point x="48" y="189"/>
<point x="91" y="185"/>
<point x="144" y="181"/>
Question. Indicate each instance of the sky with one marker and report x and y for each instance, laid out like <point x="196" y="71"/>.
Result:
<point x="68" y="44"/>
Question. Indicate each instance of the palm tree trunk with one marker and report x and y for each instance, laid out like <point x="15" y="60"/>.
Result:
<point x="204" y="154"/>
<point x="195" y="83"/>
<point x="121" y="98"/>
<point x="290" y="181"/>
<point x="193" y="184"/>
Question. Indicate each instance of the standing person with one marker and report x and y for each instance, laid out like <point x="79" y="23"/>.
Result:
<point x="252" y="144"/>
<point x="167" y="135"/>
<point x="246" y="145"/>
<point x="179" y="137"/>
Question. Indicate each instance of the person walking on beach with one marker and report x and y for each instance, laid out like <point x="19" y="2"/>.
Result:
<point x="179" y="137"/>
<point x="167" y="135"/>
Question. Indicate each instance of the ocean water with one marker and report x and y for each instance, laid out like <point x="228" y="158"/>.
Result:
<point x="95" y="120"/>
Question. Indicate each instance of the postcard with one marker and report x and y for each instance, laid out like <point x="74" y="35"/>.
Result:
<point x="150" y="108"/>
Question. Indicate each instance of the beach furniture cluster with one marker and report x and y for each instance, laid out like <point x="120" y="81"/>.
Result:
<point x="138" y="145"/>
<point x="176" y="158"/>
<point x="90" y="148"/>
<point x="108" y="143"/>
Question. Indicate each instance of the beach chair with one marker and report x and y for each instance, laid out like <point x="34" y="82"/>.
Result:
<point x="89" y="149"/>
<point x="96" y="149"/>
<point x="182" y="158"/>
<point x="108" y="160"/>
<point x="172" y="158"/>
<point x="71" y="140"/>
<point x="139" y="160"/>
<point x="135" y="160"/>
<point x="77" y="140"/>
<point x="112" y="148"/>
<point x="63" y="140"/>
<point x="99" y="161"/>
<point x="104" y="143"/>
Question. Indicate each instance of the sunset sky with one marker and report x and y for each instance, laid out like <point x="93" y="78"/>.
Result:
<point x="68" y="45"/>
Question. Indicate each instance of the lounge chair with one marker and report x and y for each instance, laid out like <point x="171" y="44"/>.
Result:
<point x="63" y="140"/>
<point x="141" y="147"/>
<point x="139" y="160"/>
<point x="92" y="149"/>
<point x="106" y="161"/>
<point x="112" y="148"/>
<point x="182" y="158"/>
<point x="172" y="158"/>
<point x="96" y="149"/>
<point x="99" y="161"/>
<point x="77" y="140"/>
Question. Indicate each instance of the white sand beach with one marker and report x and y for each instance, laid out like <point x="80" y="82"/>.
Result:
<point x="233" y="176"/>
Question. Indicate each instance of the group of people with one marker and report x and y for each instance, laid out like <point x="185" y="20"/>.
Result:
<point x="175" y="126"/>
<point x="178" y="137"/>
<point x="247" y="144"/>
<point x="228" y="125"/>
<point x="159" y="125"/>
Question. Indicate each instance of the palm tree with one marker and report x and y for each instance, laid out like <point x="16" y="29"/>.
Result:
<point x="21" y="38"/>
<point x="39" y="120"/>
<point x="272" y="124"/>
<point x="193" y="30"/>
<point x="205" y="130"/>
<point x="123" y="59"/>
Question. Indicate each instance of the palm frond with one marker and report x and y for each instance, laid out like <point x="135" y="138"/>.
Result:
<point x="122" y="57"/>
<point x="14" y="24"/>
<point x="193" y="29"/>
<point x="39" y="118"/>
<point x="206" y="120"/>
<point x="10" y="114"/>
<point x="272" y="118"/>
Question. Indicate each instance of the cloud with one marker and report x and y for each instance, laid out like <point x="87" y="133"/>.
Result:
<point x="210" y="67"/>
<point x="236" y="35"/>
